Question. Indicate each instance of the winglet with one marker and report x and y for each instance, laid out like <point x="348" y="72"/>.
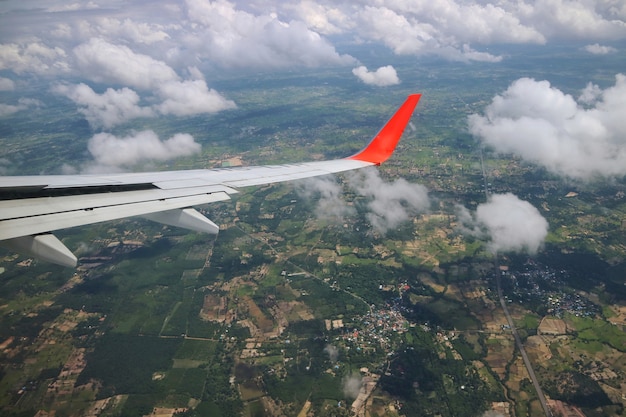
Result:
<point x="384" y="143"/>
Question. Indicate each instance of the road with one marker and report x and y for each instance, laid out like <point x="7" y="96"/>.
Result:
<point x="509" y="319"/>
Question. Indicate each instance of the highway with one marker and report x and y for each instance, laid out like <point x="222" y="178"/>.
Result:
<point x="509" y="319"/>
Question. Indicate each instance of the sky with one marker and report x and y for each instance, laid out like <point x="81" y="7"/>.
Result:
<point x="121" y="60"/>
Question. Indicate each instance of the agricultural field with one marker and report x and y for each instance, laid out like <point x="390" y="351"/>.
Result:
<point x="307" y="303"/>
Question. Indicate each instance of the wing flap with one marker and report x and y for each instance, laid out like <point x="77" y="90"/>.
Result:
<point x="32" y="207"/>
<point x="43" y="223"/>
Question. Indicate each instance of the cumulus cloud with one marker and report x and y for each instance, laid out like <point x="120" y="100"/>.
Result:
<point x="395" y="29"/>
<point x="72" y="7"/>
<point x="33" y="57"/>
<point x="327" y="19"/>
<point x="351" y="385"/>
<point x="577" y="19"/>
<point x="116" y="106"/>
<point x="107" y="109"/>
<point x="382" y="77"/>
<point x="328" y="194"/>
<point x="449" y="27"/>
<point x="598" y="49"/>
<point x="112" y="154"/>
<point x="105" y="62"/>
<point x="590" y="94"/>
<point x="236" y="38"/>
<point x="507" y="223"/>
<point x="445" y="28"/>
<point x="22" y="104"/>
<point x="270" y="34"/>
<point x="545" y="126"/>
<point x="185" y="98"/>
<point x="136" y="32"/>
<point x="126" y="49"/>
<point x="389" y="203"/>
<point x="469" y="54"/>
<point x="126" y="30"/>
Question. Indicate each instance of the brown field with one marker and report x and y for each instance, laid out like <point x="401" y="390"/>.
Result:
<point x="427" y="279"/>
<point x="620" y="314"/>
<point x="250" y="391"/>
<point x="454" y="292"/>
<point x="261" y="320"/>
<point x="500" y="349"/>
<point x="214" y="308"/>
<point x="538" y="349"/>
<point x="552" y="326"/>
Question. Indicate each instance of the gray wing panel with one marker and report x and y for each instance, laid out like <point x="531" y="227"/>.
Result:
<point x="33" y="225"/>
<point x="98" y="198"/>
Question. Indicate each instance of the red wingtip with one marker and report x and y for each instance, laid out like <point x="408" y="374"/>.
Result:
<point x="384" y="143"/>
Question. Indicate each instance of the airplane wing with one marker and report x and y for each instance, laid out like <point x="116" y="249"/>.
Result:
<point x="33" y="206"/>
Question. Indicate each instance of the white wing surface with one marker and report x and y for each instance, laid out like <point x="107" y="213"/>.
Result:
<point x="31" y="207"/>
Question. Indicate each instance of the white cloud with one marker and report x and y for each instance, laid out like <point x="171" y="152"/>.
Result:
<point x="128" y="31"/>
<point x="72" y="7"/>
<point x="111" y="153"/>
<point x="507" y="223"/>
<point x="34" y="57"/>
<point x="6" y="84"/>
<point x="117" y="106"/>
<point x="6" y="109"/>
<point x="148" y="50"/>
<point x="136" y="32"/>
<point x="270" y="34"/>
<point x="328" y="195"/>
<point x="469" y="54"/>
<point x="184" y="98"/>
<point x="543" y="125"/>
<point x="104" y="62"/>
<point x="590" y="94"/>
<point x="105" y="110"/>
<point x="382" y="77"/>
<point x="325" y="19"/>
<point x="22" y="104"/>
<point x="232" y="37"/>
<point x="388" y="204"/>
<point x="454" y="23"/>
<point x="395" y="30"/>
<point x="577" y="19"/>
<point x="446" y="28"/>
<point x="598" y="49"/>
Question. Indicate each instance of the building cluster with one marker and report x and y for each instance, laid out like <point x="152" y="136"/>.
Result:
<point x="377" y="327"/>
<point x="544" y="285"/>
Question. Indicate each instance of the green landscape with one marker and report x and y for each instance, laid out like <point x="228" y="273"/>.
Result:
<point x="293" y="312"/>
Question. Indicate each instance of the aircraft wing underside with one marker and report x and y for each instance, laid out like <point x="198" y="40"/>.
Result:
<point x="33" y="206"/>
